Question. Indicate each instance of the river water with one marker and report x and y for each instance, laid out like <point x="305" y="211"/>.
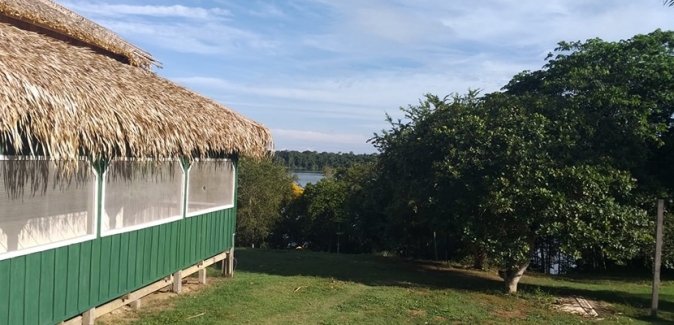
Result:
<point x="305" y="177"/>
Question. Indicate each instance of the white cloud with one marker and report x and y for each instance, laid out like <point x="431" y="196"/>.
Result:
<point x="286" y="139"/>
<point x="266" y="10"/>
<point x="318" y="137"/>
<point x="106" y="9"/>
<point x="190" y="38"/>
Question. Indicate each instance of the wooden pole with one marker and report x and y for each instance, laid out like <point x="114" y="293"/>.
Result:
<point x="435" y="246"/>
<point x="658" y="256"/>
<point x="89" y="317"/>
<point x="202" y="273"/>
<point x="177" y="281"/>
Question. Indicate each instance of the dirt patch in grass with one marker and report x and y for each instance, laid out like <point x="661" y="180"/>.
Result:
<point x="154" y="302"/>
<point x="509" y="314"/>
<point x="416" y="313"/>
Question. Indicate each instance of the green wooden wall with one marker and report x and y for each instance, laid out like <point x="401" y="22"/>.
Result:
<point x="54" y="285"/>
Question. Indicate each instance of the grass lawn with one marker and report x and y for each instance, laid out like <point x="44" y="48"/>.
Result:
<point x="299" y="287"/>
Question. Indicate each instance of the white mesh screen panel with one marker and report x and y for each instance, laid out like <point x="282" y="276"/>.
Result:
<point x="141" y="194"/>
<point x="42" y="206"/>
<point x="211" y="186"/>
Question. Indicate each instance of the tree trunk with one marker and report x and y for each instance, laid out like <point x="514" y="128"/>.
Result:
<point x="479" y="259"/>
<point x="511" y="278"/>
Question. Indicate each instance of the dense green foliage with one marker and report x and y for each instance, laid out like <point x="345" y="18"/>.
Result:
<point x="263" y="188"/>
<point x="564" y="164"/>
<point x="315" y="161"/>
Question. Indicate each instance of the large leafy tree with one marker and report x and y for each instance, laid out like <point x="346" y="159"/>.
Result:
<point x="263" y="189"/>
<point x="571" y="154"/>
<point x="614" y="101"/>
<point x="488" y="169"/>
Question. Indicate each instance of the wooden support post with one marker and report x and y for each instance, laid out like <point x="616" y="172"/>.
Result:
<point x="89" y="317"/>
<point x="225" y="267"/>
<point x="177" y="281"/>
<point x="202" y="273"/>
<point x="135" y="304"/>
<point x="228" y="264"/>
<point x="230" y="258"/>
<point x="658" y="258"/>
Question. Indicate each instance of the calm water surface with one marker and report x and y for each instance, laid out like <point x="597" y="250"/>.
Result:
<point x="306" y="177"/>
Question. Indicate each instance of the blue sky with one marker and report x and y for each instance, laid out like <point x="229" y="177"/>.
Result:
<point x="321" y="74"/>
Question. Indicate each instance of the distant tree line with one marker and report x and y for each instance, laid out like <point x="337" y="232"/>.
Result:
<point x="315" y="161"/>
<point x="561" y="168"/>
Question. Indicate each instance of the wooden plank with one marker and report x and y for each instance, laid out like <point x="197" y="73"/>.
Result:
<point x="215" y="259"/>
<point x="215" y="238"/>
<point x="17" y="287"/>
<point x="104" y="280"/>
<point x="60" y="285"/>
<point x="131" y="260"/>
<point x="181" y="244"/>
<point x="217" y="222"/>
<point x="140" y="293"/>
<point x="113" y="280"/>
<point x="190" y="270"/>
<point x="147" y="255"/>
<point x="163" y="250"/>
<point x="138" y="252"/>
<point x="154" y="255"/>
<point x="188" y="241"/>
<point x="95" y="282"/>
<point x="169" y="249"/>
<point x="32" y="291"/>
<point x="4" y="291"/>
<point x="222" y="233"/>
<point x="46" y="296"/>
<point x="84" y="286"/>
<point x="122" y="285"/>
<point x="203" y="243"/>
<point x="175" y="246"/>
<point x="110" y="306"/>
<point x="73" y="280"/>
<point x="203" y="265"/>
<point x="195" y="240"/>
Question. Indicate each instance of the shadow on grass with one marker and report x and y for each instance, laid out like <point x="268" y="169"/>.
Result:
<point x="385" y="271"/>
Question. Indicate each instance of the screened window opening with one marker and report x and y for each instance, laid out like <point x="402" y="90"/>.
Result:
<point x="140" y="194"/>
<point x="211" y="186"/>
<point x="43" y="206"/>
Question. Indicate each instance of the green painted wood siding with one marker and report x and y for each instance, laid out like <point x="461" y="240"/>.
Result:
<point x="51" y="286"/>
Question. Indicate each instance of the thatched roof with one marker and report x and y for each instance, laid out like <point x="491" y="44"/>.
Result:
<point x="65" y="100"/>
<point x="53" y="17"/>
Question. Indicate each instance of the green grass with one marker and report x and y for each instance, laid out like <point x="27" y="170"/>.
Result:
<point x="296" y="287"/>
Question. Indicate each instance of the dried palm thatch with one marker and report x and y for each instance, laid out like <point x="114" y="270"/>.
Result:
<point x="63" y="101"/>
<point x="52" y="16"/>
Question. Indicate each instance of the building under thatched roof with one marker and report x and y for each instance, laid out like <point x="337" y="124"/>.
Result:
<point x="84" y="226"/>
<point x="69" y="87"/>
